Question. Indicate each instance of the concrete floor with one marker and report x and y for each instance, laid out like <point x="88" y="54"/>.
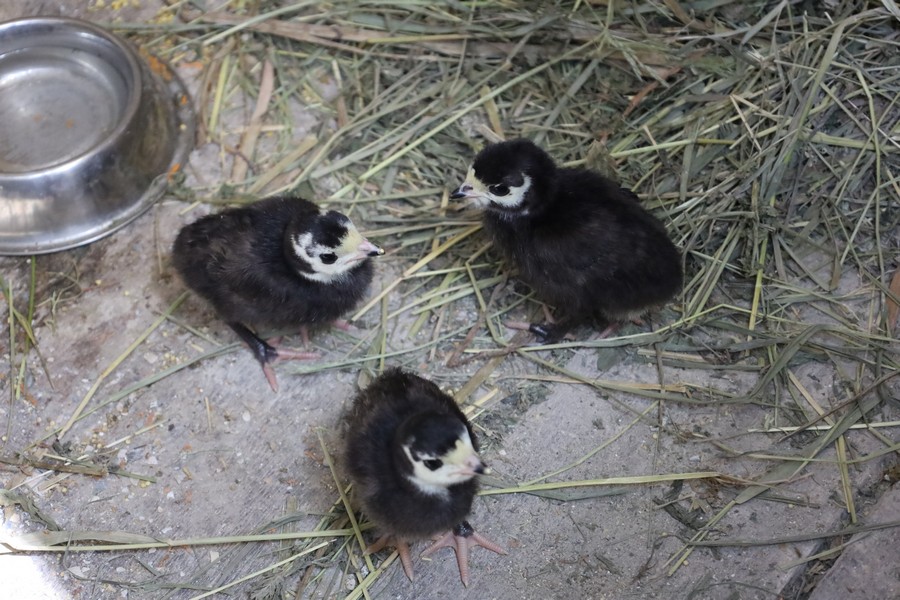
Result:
<point x="228" y="456"/>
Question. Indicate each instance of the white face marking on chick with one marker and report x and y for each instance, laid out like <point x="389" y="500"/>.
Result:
<point x="499" y="194"/>
<point x="331" y="264"/>
<point x="434" y="474"/>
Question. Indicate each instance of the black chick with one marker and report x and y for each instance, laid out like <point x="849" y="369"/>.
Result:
<point x="276" y="264"/>
<point x="582" y="242"/>
<point x="412" y="457"/>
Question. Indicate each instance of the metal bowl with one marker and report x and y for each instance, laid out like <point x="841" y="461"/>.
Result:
<point x="88" y="133"/>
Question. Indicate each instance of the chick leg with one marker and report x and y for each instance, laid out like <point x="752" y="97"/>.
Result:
<point x="462" y="538"/>
<point x="550" y="332"/>
<point x="341" y="324"/>
<point x="613" y="327"/>
<point x="546" y="332"/>
<point x="526" y="326"/>
<point x="266" y="354"/>
<point x="402" y="550"/>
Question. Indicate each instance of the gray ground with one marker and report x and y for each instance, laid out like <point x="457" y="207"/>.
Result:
<point x="229" y="456"/>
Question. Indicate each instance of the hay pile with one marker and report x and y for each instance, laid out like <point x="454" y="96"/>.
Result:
<point x="765" y="135"/>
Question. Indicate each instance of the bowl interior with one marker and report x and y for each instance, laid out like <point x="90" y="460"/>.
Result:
<point x="62" y="92"/>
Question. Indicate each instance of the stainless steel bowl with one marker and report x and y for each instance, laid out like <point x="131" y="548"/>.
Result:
<point x="88" y="133"/>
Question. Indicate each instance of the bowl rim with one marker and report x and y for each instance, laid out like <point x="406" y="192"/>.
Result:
<point x="135" y="91"/>
<point x="172" y="91"/>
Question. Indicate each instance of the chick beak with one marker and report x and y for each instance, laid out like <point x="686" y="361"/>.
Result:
<point x="464" y="191"/>
<point x="473" y="466"/>
<point x="367" y="248"/>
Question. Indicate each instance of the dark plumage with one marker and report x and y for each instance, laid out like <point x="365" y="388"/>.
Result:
<point x="581" y="241"/>
<point x="279" y="263"/>
<point x="412" y="457"/>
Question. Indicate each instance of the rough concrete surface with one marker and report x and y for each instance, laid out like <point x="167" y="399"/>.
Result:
<point x="228" y="456"/>
<point x="868" y="567"/>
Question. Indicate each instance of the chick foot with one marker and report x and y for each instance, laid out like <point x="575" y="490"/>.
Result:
<point x="267" y="354"/>
<point x="402" y="550"/>
<point x="462" y="538"/>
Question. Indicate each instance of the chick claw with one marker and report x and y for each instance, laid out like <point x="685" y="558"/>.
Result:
<point x="402" y="550"/>
<point x="462" y="538"/>
<point x="283" y="354"/>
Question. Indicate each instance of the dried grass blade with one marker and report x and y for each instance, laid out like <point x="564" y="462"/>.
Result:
<point x="630" y="480"/>
<point x="115" y="541"/>
<point x="251" y="134"/>
<point x="469" y="108"/>
<point x="371" y="578"/>
<point x="221" y="84"/>
<point x="653" y="406"/>
<point x="151" y="379"/>
<point x="841" y="446"/>
<point x="413" y="269"/>
<point x="796" y="539"/>
<point x="244" y="23"/>
<point x="305" y="145"/>
<point x="767" y="18"/>
<point x="492" y="112"/>
<point x="832" y="551"/>
<point x="712" y="275"/>
<point x="679" y="558"/>
<point x="795" y="130"/>
<point x="785" y="356"/>
<point x="260" y="571"/>
<point x="789" y="470"/>
<point x="893" y="304"/>
<point x="11" y="325"/>
<point x="783" y="472"/>
<point x="345" y="500"/>
<point x="892" y="7"/>
<point x="115" y="364"/>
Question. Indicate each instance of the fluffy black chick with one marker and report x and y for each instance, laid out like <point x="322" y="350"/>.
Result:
<point x="412" y="457"/>
<point x="276" y="264"/>
<point x="582" y="242"/>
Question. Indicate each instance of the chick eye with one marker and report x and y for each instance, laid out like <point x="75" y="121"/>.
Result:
<point x="328" y="258"/>
<point x="433" y="464"/>
<point x="499" y="189"/>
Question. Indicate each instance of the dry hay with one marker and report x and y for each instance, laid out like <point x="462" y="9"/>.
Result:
<point x="765" y="135"/>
